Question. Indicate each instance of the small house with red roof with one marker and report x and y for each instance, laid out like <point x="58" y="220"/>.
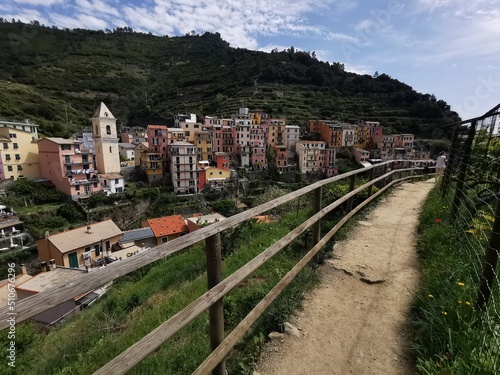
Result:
<point x="168" y="228"/>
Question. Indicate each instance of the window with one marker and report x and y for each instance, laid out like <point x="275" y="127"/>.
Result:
<point x="18" y="157"/>
<point x="7" y="157"/>
<point x="77" y="187"/>
<point x="13" y="135"/>
<point x="117" y="181"/>
<point x="9" y="168"/>
<point x="108" y="129"/>
<point x="5" y="146"/>
<point x="95" y="184"/>
<point x="19" y="167"/>
<point x="66" y="147"/>
<point x="110" y="149"/>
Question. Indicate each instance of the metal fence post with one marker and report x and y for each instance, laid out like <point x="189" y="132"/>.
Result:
<point x="464" y="163"/>
<point x="490" y="263"/>
<point x="216" y="311"/>
<point x="450" y="165"/>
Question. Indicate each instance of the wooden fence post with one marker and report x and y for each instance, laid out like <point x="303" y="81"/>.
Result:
<point x="370" y="188"/>
<point x="318" y="203"/>
<point x="216" y="311"/>
<point x="352" y="185"/>
<point x="464" y="162"/>
<point x="490" y="263"/>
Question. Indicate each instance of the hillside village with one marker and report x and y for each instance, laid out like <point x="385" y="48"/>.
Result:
<point x="192" y="156"/>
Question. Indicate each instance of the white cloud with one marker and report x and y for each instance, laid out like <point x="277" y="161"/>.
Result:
<point x="46" y="3"/>
<point x="80" y="21"/>
<point x="96" y="7"/>
<point x="27" y="16"/>
<point x="358" y="69"/>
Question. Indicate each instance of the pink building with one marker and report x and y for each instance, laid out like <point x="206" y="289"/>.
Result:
<point x="281" y="157"/>
<point x="223" y="139"/>
<point x="158" y="140"/>
<point x="70" y="168"/>
<point x="258" y="147"/>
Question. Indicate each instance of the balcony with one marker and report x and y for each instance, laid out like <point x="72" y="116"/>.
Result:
<point x="76" y="162"/>
<point x="83" y="182"/>
<point x="80" y="171"/>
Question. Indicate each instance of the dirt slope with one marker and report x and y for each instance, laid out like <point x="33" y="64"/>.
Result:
<point x="353" y="326"/>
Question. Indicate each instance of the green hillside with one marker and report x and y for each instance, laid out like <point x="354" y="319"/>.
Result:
<point x="57" y="78"/>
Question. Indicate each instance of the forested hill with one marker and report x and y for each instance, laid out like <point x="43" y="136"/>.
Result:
<point x="58" y="77"/>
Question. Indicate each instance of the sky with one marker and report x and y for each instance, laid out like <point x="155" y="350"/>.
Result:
<point x="449" y="48"/>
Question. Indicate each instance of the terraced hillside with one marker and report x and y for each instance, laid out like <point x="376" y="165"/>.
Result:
<point x="57" y="77"/>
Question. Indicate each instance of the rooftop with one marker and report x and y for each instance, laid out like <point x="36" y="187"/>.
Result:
<point x="168" y="225"/>
<point x="207" y="219"/>
<point x="81" y="237"/>
<point x="136" y="235"/>
<point x="103" y="111"/>
<point x="61" y="141"/>
<point x="49" y="279"/>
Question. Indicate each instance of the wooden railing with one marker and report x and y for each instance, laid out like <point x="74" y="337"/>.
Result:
<point x="218" y="288"/>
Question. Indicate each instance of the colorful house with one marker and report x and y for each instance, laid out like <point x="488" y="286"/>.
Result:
<point x="80" y="247"/>
<point x="169" y="228"/>
<point x="19" y="150"/>
<point x="70" y="168"/>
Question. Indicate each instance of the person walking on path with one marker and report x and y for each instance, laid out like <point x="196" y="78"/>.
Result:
<point x="440" y="165"/>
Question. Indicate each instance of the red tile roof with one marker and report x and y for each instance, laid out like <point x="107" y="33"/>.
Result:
<point x="165" y="226"/>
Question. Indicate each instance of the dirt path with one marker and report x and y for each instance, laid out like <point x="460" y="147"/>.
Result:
<point x="351" y="326"/>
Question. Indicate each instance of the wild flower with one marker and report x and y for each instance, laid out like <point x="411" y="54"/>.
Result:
<point x="431" y="296"/>
<point x="445" y="313"/>
<point x="467" y="303"/>
<point x="459" y="302"/>
<point x="460" y="284"/>
<point x="438" y="220"/>
<point x="448" y="355"/>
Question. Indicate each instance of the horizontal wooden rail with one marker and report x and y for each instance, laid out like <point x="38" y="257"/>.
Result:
<point x="63" y="292"/>
<point x="242" y="328"/>
<point x="130" y="357"/>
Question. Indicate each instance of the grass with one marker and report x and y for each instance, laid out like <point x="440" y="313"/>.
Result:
<point x="450" y="336"/>
<point x="141" y="301"/>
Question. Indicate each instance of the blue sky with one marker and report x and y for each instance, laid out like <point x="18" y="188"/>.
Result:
<point x="449" y="48"/>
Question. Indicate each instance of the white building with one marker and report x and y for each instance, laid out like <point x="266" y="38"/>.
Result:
<point x="183" y="167"/>
<point x="312" y="156"/>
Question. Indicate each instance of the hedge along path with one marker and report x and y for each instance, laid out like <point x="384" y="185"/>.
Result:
<point x="355" y="321"/>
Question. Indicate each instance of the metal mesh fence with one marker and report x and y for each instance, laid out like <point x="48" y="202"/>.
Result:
<point x="471" y="190"/>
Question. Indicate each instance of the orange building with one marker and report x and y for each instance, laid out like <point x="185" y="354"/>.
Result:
<point x="169" y="228"/>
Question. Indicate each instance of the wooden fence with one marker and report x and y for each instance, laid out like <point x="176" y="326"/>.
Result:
<point x="393" y="172"/>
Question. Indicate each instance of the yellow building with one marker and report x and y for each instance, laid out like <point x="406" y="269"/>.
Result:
<point x="141" y="154"/>
<point x="217" y="176"/>
<point x="362" y="136"/>
<point x="19" y="150"/>
<point x="203" y="146"/>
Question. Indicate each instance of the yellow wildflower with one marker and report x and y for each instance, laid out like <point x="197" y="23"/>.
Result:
<point x="445" y="313"/>
<point x="460" y="284"/>
<point x="431" y="296"/>
<point x="459" y="302"/>
<point x="467" y="303"/>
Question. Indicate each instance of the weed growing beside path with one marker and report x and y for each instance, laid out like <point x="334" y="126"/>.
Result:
<point x="450" y="336"/>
